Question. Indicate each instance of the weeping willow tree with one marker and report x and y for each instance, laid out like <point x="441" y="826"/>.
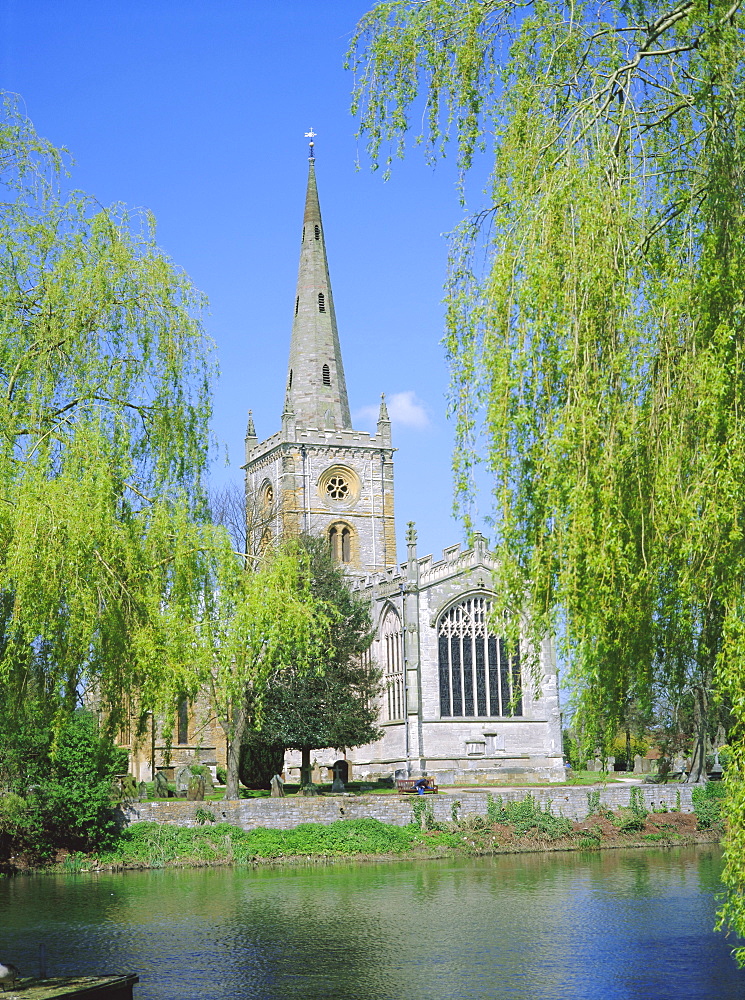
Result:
<point x="596" y="324"/>
<point x="104" y="403"/>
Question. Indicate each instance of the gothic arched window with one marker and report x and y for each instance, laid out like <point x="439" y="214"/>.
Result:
<point x="340" y="540"/>
<point x="297" y="304"/>
<point x="321" y="302"/>
<point x="317" y="232"/>
<point x="326" y="374"/>
<point x="478" y="676"/>
<point x="183" y="721"/>
<point x="393" y="664"/>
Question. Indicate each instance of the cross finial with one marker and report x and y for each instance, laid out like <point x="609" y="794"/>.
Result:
<point x="311" y="135"/>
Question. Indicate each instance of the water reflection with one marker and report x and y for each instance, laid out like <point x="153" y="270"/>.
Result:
<point x="617" y="924"/>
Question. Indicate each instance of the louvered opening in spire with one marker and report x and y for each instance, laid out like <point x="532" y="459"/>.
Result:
<point x="317" y="388"/>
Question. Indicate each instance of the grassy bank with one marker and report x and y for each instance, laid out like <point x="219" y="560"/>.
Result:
<point x="509" y="828"/>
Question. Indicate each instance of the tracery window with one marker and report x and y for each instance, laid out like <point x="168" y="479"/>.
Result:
<point x="478" y="676"/>
<point x="337" y="488"/>
<point x="340" y="540"/>
<point x="393" y="664"/>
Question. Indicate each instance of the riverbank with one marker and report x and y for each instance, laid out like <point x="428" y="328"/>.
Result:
<point x="510" y="828"/>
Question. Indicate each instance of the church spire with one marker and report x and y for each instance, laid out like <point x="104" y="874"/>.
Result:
<point x="316" y="388"/>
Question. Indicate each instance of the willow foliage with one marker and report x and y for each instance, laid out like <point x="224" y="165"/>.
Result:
<point x="104" y="403"/>
<point x="596" y="322"/>
<point x="254" y="625"/>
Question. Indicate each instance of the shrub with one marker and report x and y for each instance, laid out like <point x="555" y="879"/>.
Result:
<point x="75" y="798"/>
<point x="527" y="816"/>
<point x="424" y="816"/>
<point x="260" y="760"/>
<point x="707" y="804"/>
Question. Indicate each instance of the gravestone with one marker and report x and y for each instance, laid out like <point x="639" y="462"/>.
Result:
<point x="340" y="770"/>
<point x="142" y="788"/>
<point x="162" y="791"/>
<point x="278" y="787"/>
<point x="195" y="790"/>
<point x="183" y="776"/>
<point x="209" y="784"/>
<point x="638" y="764"/>
<point x="129" y="788"/>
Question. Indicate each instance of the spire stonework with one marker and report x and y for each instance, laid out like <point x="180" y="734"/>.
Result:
<point x="328" y="478"/>
<point x="315" y="379"/>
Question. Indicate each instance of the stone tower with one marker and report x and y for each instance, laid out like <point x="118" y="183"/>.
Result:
<point x="318" y="474"/>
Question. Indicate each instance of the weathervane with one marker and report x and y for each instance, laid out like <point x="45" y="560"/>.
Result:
<point x="311" y="135"/>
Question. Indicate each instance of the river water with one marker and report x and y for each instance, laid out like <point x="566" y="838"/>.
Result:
<point x="616" y="924"/>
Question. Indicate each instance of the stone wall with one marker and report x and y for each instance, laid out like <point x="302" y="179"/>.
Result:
<point x="284" y="814"/>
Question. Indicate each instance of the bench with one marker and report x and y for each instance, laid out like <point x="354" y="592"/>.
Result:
<point x="408" y="784"/>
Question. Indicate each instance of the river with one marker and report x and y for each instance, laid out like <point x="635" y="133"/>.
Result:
<point x="611" y="925"/>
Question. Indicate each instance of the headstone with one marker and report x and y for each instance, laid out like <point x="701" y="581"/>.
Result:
<point x="638" y="764"/>
<point x="195" y="791"/>
<point x="209" y="784"/>
<point x="278" y="787"/>
<point x="183" y="776"/>
<point x="129" y="788"/>
<point x="679" y="764"/>
<point x="142" y="788"/>
<point x="162" y="791"/>
<point x="338" y="783"/>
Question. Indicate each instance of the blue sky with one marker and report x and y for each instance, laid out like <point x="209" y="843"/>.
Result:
<point x="197" y="111"/>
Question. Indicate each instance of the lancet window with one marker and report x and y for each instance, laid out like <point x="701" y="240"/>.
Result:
<point x="183" y="721"/>
<point x="340" y="540"/>
<point x="478" y="674"/>
<point x="391" y="647"/>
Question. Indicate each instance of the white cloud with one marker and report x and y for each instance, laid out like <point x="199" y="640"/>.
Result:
<point x="404" y="409"/>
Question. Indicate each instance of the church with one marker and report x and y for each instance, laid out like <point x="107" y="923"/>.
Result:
<point x="457" y="704"/>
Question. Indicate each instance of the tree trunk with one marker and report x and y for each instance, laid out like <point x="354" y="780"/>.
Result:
<point x="700" y="712"/>
<point x="234" y="737"/>
<point x="305" y="768"/>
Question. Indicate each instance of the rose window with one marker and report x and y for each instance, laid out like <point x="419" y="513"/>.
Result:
<point x="337" y="488"/>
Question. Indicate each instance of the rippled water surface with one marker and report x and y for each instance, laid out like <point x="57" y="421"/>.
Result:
<point x="621" y="924"/>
